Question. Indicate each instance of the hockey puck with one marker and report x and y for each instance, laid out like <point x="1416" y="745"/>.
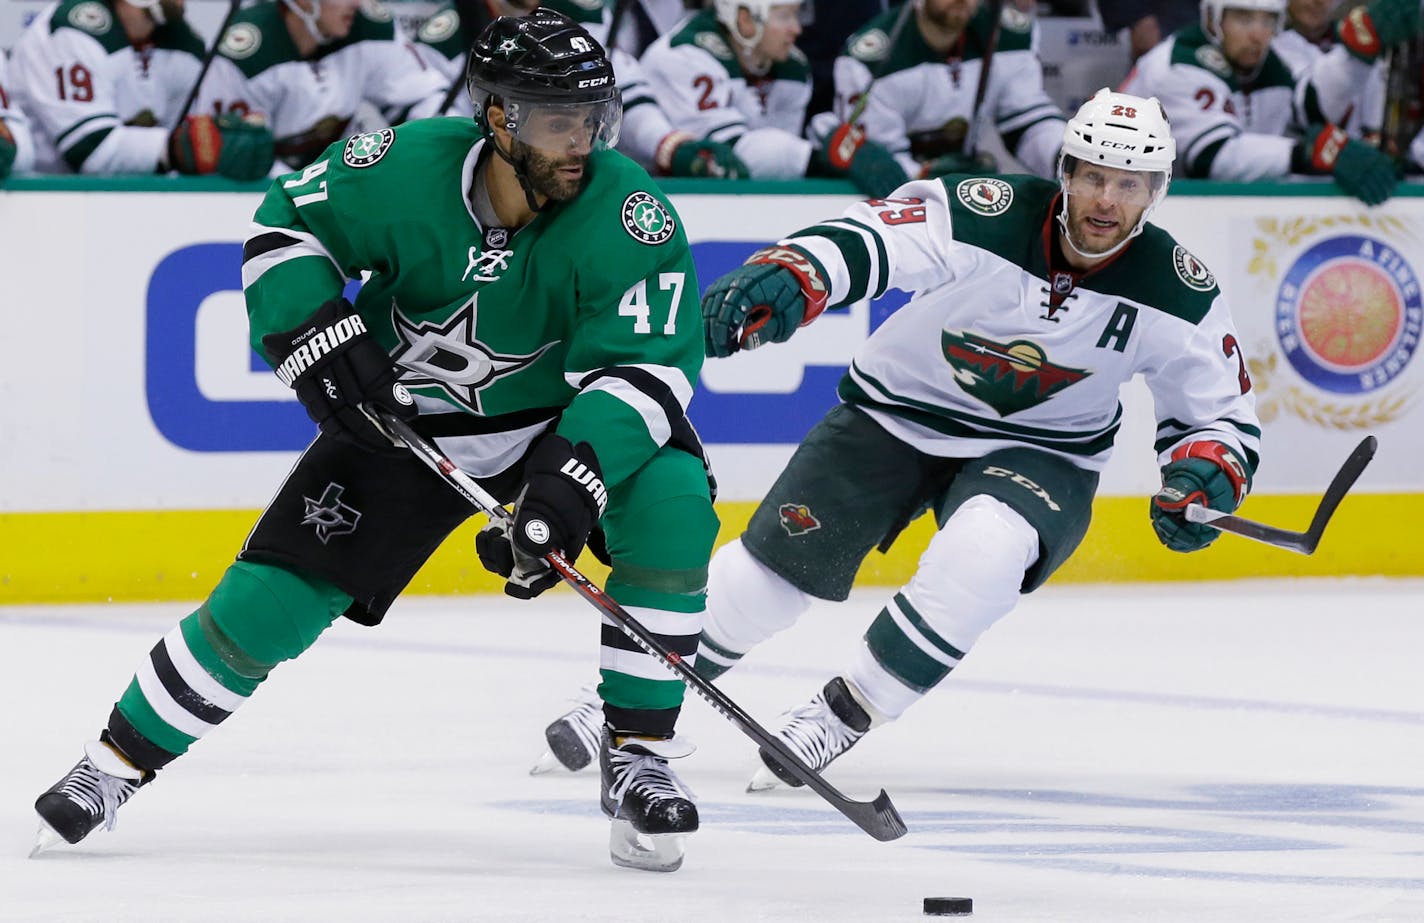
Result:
<point x="949" y="906"/>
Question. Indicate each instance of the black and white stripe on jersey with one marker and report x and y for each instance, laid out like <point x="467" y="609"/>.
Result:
<point x="268" y="247"/>
<point x="650" y="394"/>
<point x="862" y="251"/>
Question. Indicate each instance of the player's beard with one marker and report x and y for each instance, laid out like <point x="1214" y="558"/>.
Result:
<point x="1097" y="243"/>
<point x="951" y="19"/>
<point x="543" y="174"/>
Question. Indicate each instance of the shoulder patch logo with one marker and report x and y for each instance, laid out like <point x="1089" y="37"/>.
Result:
<point x="646" y="220"/>
<point x="870" y="46"/>
<point x="241" y="40"/>
<point x="1015" y="20"/>
<point x="91" y="17"/>
<point x="797" y="519"/>
<point x="1191" y="270"/>
<point x="439" y="27"/>
<point x="375" y="11"/>
<point x="1210" y="57"/>
<point x="364" y="150"/>
<point x="985" y="195"/>
<point x="713" y="44"/>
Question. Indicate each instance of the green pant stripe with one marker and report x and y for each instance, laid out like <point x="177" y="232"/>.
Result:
<point x="926" y="632"/>
<point x="901" y="657"/>
<point x="689" y="582"/>
<point x="718" y="649"/>
<point x="634" y="692"/>
<point x="627" y="595"/>
<point x="134" y="706"/>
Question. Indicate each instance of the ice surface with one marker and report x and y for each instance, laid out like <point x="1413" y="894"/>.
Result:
<point x="1237" y="753"/>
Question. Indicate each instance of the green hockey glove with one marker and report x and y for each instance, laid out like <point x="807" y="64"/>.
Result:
<point x="707" y="159"/>
<point x="1370" y="28"/>
<point x="873" y="169"/>
<point x="1360" y="170"/>
<point x="1207" y="473"/>
<point x="228" y="145"/>
<point x="762" y="301"/>
<point x="7" y="151"/>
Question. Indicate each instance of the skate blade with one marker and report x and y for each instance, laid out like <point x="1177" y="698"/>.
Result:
<point x="546" y="763"/>
<point x="633" y="850"/>
<point x="764" y="780"/>
<point x="45" y="840"/>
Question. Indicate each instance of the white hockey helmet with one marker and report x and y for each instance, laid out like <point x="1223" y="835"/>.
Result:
<point x="1123" y="132"/>
<point x="759" y="9"/>
<point x="1211" y="11"/>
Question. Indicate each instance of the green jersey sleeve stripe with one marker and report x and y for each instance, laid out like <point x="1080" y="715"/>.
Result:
<point x="855" y="256"/>
<point x="77" y="153"/>
<point x="110" y="119"/>
<point x="881" y="265"/>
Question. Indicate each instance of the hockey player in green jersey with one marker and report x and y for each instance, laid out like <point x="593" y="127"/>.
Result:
<point x="990" y="399"/>
<point x="531" y="306"/>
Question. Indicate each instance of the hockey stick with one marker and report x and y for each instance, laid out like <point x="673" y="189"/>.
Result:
<point x="1299" y="542"/>
<point x="971" y="142"/>
<point x="877" y="818"/>
<point x="207" y="62"/>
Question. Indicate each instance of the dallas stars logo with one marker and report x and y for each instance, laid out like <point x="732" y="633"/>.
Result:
<point x="329" y="515"/>
<point x="508" y="47"/>
<point x="1008" y="378"/>
<point x="448" y="355"/>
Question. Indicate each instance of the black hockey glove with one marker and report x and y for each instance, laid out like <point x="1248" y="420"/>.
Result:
<point x="335" y="366"/>
<point x="1207" y="473"/>
<point x="562" y="499"/>
<point x="762" y="301"/>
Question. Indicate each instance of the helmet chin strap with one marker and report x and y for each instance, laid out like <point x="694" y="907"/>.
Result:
<point x="521" y="174"/>
<point x="1068" y="235"/>
<point x="308" y="19"/>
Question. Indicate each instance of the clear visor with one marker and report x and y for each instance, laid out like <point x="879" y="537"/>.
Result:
<point x="1136" y="188"/>
<point x="565" y="128"/>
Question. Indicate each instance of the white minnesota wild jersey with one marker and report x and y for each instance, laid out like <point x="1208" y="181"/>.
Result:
<point x="922" y="102"/>
<point x="98" y="104"/>
<point x="1224" y="130"/>
<point x="310" y="102"/>
<point x="996" y="349"/>
<point x="16" y="125"/>
<point x="1341" y="88"/>
<point x="702" y="89"/>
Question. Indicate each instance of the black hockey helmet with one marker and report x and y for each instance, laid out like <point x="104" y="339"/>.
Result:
<point x="543" y="60"/>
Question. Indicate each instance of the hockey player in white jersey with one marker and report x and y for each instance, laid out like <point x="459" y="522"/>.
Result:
<point x="104" y="80"/>
<point x="305" y="66"/>
<point x="1240" y="114"/>
<point x="647" y="136"/>
<point x="951" y="72"/>
<point x="17" y="146"/>
<point x="733" y="74"/>
<point x="990" y="399"/>
<point x="1309" y="35"/>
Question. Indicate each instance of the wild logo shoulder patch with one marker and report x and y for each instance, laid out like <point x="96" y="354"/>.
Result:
<point x="870" y="46"/>
<point x="364" y="150"/>
<point x="1211" y="58"/>
<point x="1191" y="270"/>
<point x="985" y="195"/>
<point x="93" y="18"/>
<point x="439" y="27"/>
<point x="646" y="219"/>
<point x="375" y="11"/>
<point x="241" y="40"/>
<point x="713" y="44"/>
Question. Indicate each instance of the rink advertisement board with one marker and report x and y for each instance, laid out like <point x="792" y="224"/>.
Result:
<point x="130" y="389"/>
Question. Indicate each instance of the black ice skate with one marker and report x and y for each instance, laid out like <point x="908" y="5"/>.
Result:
<point x="650" y="809"/>
<point x="818" y="732"/>
<point x="573" y="737"/>
<point x="89" y="795"/>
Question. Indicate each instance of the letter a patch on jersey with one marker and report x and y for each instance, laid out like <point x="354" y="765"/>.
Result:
<point x="797" y="519"/>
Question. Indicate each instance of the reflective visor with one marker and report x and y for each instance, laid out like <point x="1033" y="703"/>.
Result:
<point x="1136" y="188"/>
<point x="561" y="128"/>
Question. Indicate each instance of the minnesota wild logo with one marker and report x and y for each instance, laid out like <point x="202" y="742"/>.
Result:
<point x="1008" y="378"/>
<point x="797" y="519"/>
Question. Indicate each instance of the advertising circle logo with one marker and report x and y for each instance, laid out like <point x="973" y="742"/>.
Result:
<point x="1349" y="314"/>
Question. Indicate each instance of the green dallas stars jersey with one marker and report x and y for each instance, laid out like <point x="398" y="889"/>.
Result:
<point x="589" y="312"/>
